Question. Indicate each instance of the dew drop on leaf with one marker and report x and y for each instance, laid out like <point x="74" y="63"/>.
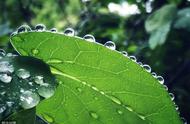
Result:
<point x="5" y="66"/>
<point x="89" y="38"/>
<point x="22" y="73"/>
<point x="54" y="61"/>
<point x="160" y="79"/>
<point x="116" y="100"/>
<point x="147" y="68"/>
<point x="53" y="30"/>
<point x="172" y="96"/>
<point x="48" y="118"/>
<point x="5" y="78"/>
<point x="69" y="32"/>
<point x="23" y="28"/>
<point x="40" y="27"/>
<point x="94" y="115"/>
<point x="125" y="53"/>
<point x="39" y="80"/>
<point x="29" y="99"/>
<point x="154" y="74"/>
<point x="46" y="91"/>
<point x="111" y="45"/>
<point x="140" y="63"/>
<point x="133" y="58"/>
<point x="35" y="51"/>
<point x="119" y="112"/>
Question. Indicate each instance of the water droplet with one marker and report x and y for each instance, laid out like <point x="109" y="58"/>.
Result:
<point x="147" y="68"/>
<point x="95" y="88"/>
<point x="119" y="112"/>
<point x="111" y="45"/>
<point x="22" y="73"/>
<point x="5" y="66"/>
<point x="53" y="30"/>
<point x="183" y="120"/>
<point x="40" y="27"/>
<point x="2" y="108"/>
<point x="176" y="107"/>
<point x="165" y="87"/>
<point x="89" y="37"/>
<point x="79" y="89"/>
<point x="46" y="91"/>
<point x="29" y="99"/>
<point x="133" y="58"/>
<point x="69" y="32"/>
<point x="35" y="51"/>
<point x="23" y="28"/>
<point x="5" y="78"/>
<point x="39" y="80"/>
<point x="96" y="98"/>
<point x="2" y="53"/>
<point x="13" y="34"/>
<point x="160" y="79"/>
<point x="172" y="96"/>
<point x="140" y="63"/>
<point x="94" y="115"/>
<point x="116" y="100"/>
<point x="48" y="118"/>
<point x="154" y="74"/>
<point x="125" y="53"/>
<point x="54" y="61"/>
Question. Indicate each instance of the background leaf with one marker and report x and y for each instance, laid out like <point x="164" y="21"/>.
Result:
<point x="97" y="85"/>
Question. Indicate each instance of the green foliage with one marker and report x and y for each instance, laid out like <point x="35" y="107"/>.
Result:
<point x="96" y="85"/>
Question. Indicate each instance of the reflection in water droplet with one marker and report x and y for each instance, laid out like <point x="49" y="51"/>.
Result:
<point x="45" y="91"/>
<point x="48" y="118"/>
<point x="29" y="99"/>
<point x="160" y="79"/>
<point x="154" y="74"/>
<point x="5" y="78"/>
<point x="116" y="100"/>
<point x="172" y="96"/>
<point x="111" y="45"/>
<point x="94" y="115"/>
<point x="35" y="51"/>
<point x="69" y="32"/>
<point x="40" y="27"/>
<point x="5" y="66"/>
<point x="147" y="68"/>
<point x="53" y="30"/>
<point x="89" y="37"/>
<point x="119" y="112"/>
<point x="133" y="58"/>
<point x="23" y="28"/>
<point x="22" y="73"/>
<point x="125" y="53"/>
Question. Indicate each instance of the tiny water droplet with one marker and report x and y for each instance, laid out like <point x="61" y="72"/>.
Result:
<point x="116" y="100"/>
<point x="22" y="73"/>
<point x="95" y="88"/>
<point x="160" y="79"/>
<point x="111" y="45"/>
<point x="119" y="112"/>
<point x="48" y="118"/>
<point x="46" y="91"/>
<point x="94" y="115"/>
<point x="39" y="80"/>
<point x="147" y="68"/>
<point x="79" y="89"/>
<point x="53" y="30"/>
<point x="141" y="64"/>
<point x="165" y="87"/>
<point x="125" y="53"/>
<point x="2" y="108"/>
<point x="172" y="96"/>
<point x="5" y="66"/>
<point x="176" y="107"/>
<point x="13" y="34"/>
<point x="40" y="27"/>
<point x="154" y="74"/>
<point x="29" y="99"/>
<point x="133" y="58"/>
<point x="35" y="51"/>
<point x="5" y="78"/>
<point x="23" y="28"/>
<point x="69" y="32"/>
<point x="89" y="38"/>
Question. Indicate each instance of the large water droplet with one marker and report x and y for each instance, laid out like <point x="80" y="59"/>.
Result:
<point x="160" y="79"/>
<point x="147" y="68"/>
<point x="172" y="96"/>
<point x="116" y="100"/>
<point x="125" y="53"/>
<point x="119" y="112"/>
<point x="53" y="30"/>
<point x="35" y="51"/>
<point x="69" y="32"/>
<point x="40" y="27"/>
<point x="5" y="78"/>
<point x="94" y="115"/>
<point x="23" y="28"/>
<point x="5" y="66"/>
<point x="39" y="80"/>
<point x="111" y="45"/>
<point x="2" y="108"/>
<point x="46" y="92"/>
<point x="89" y="37"/>
<point x="29" y="99"/>
<point x="133" y="58"/>
<point x="22" y="73"/>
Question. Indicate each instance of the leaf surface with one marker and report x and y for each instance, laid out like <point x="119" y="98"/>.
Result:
<point x="97" y="85"/>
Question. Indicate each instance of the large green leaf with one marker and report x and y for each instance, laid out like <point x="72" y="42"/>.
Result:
<point x="97" y="85"/>
<point x="158" y="24"/>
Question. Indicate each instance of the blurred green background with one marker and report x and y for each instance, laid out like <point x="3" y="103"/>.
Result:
<point x="155" y="31"/>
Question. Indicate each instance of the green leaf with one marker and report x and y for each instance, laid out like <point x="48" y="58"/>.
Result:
<point x="19" y="87"/>
<point x="158" y="24"/>
<point x="97" y="85"/>
<point x="182" y="21"/>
